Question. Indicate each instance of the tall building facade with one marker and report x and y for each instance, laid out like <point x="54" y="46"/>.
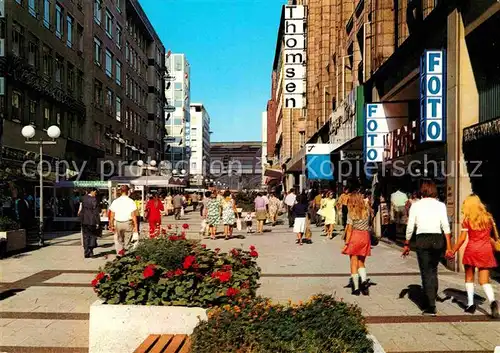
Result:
<point x="94" y="68"/>
<point x="177" y="123"/>
<point x="199" y="161"/>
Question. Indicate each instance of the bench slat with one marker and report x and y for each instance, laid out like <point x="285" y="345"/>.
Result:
<point x="186" y="348"/>
<point x="161" y="344"/>
<point x="175" y="344"/>
<point x="147" y="344"/>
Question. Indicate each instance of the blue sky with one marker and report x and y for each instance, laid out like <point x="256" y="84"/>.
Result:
<point x="230" y="45"/>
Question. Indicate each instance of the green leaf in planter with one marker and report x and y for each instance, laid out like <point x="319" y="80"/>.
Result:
<point x="179" y="290"/>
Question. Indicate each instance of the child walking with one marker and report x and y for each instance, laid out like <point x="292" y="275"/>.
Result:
<point x="248" y="222"/>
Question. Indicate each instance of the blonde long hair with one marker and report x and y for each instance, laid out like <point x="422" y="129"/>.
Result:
<point x="475" y="213"/>
<point x="356" y="206"/>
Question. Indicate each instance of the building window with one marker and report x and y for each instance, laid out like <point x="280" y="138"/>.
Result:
<point x="118" y="36"/>
<point x="178" y="86"/>
<point x="79" y="37"/>
<point x="127" y="52"/>
<point x="109" y="24"/>
<point x="127" y="86"/>
<point x="119" y="5"/>
<point x="32" y="7"/>
<point x="71" y="78"/>
<point x="33" y="108"/>
<point x="69" y="39"/>
<point x="118" y="108"/>
<point x="59" y="69"/>
<point x="17" y="40"/>
<point x="97" y="51"/>
<point x="46" y="13"/>
<point x="47" y="62"/>
<point x="59" y="21"/>
<point x="118" y="73"/>
<point x="33" y="54"/>
<point x="109" y="63"/>
<point x="79" y="85"/>
<point x="98" y="11"/>
<point x="118" y="147"/>
<point x="98" y="97"/>
<point x="16" y="105"/>
<point x="46" y="117"/>
<point x="178" y="63"/>
<point x="109" y="98"/>
<point x="98" y="133"/>
<point x="178" y="103"/>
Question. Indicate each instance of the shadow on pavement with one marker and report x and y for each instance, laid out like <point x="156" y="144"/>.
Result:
<point x="9" y="293"/>
<point x="416" y="294"/>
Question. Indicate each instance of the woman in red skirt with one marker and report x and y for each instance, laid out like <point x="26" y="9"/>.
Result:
<point x="357" y="242"/>
<point x="479" y="227"/>
<point x="154" y="208"/>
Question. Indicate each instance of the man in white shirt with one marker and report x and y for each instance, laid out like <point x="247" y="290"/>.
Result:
<point x="429" y="220"/>
<point x="123" y="219"/>
<point x="290" y="200"/>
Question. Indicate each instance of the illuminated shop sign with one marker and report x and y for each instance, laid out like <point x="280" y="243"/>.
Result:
<point x="433" y="96"/>
<point x="295" y="57"/>
<point x="376" y="127"/>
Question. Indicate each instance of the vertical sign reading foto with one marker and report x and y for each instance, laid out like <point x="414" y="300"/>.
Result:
<point x="295" y="56"/>
<point x="432" y="96"/>
<point x="376" y="127"/>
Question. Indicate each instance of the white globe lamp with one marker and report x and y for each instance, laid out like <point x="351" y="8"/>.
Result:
<point x="28" y="132"/>
<point x="54" y="132"/>
<point x="140" y="163"/>
<point x="174" y="171"/>
<point x="183" y="171"/>
<point x="152" y="163"/>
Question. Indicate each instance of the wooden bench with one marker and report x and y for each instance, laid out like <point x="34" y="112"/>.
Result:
<point x="165" y="344"/>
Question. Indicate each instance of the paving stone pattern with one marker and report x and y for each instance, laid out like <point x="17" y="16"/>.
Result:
<point x="45" y="293"/>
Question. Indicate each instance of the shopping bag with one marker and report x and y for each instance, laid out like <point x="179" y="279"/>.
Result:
<point x="182" y="211"/>
<point x="203" y="227"/>
<point x="238" y="224"/>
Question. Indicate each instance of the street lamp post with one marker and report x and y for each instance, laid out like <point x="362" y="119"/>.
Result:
<point x="28" y="133"/>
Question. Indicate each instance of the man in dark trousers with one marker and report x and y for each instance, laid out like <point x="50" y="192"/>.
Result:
<point x="90" y="216"/>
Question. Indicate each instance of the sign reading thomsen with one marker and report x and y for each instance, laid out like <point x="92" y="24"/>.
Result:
<point x="295" y="56"/>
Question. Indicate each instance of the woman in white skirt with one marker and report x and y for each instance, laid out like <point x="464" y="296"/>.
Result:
<point x="300" y="213"/>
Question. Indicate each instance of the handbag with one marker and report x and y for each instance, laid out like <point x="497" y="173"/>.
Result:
<point x="495" y="238"/>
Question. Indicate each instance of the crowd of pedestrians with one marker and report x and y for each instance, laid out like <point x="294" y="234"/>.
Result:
<point x="362" y="218"/>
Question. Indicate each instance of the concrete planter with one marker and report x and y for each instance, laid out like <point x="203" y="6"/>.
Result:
<point x="377" y="347"/>
<point x="13" y="240"/>
<point x="122" y="328"/>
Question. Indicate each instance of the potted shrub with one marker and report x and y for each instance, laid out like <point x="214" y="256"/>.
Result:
<point x="323" y="324"/>
<point x="165" y="285"/>
<point x="11" y="237"/>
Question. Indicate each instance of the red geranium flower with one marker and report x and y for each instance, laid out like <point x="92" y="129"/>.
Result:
<point x="252" y="248"/>
<point x="169" y="274"/>
<point x="188" y="261"/>
<point x="231" y="292"/>
<point x="245" y="285"/>
<point x="149" y="271"/>
<point x="173" y="238"/>
<point x="227" y="267"/>
<point x="244" y="262"/>
<point x="163" y="231"/>
<point x="234" y="252"/>
<point x="178" y="272"/>
<point x="222" y="276"/>
<point x="98" y="279"/>
<point x="254" y="253"/>
<point x="217" y="250"/>
<point x="132" y="284"/>
<point x="185" y="226"/>
<point x="138" y="258"/>
<point x="121" y="252"/>
<point x="182" y="237"/>
<point x="204" y="246"/>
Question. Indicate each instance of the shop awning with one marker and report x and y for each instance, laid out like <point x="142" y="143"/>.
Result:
<point x="273" y="173"/>
<point x="272" y="181"/>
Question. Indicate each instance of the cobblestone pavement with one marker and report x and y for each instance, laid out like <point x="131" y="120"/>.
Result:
<point x="46" y="293"/>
